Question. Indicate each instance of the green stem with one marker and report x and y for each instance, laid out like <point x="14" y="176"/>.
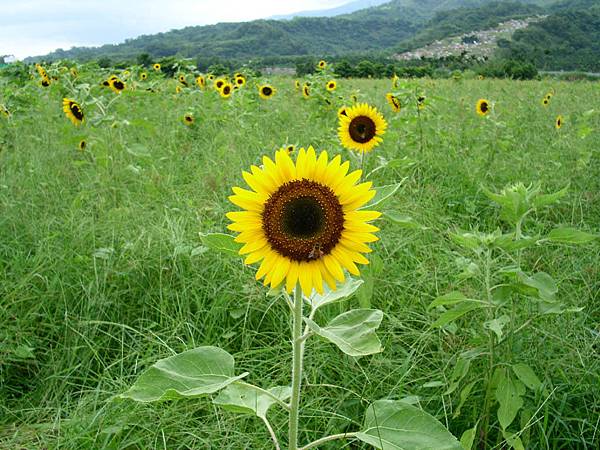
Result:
<point x="328" y="439"/>
<point x="490" y="368"/>
<point x="297" y="353"/>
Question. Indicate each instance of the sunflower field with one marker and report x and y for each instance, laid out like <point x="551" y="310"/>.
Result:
<point x="442" y="235"/>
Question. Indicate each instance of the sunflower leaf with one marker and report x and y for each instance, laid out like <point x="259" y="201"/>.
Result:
<point x="382" y="193"/>
<point x="244" y="398"/>
<point x="193" y="373"/>
<point x="353" y="331"/>
<point x="344" y="291"/>
<point x="221" y="242"/>
<point x="393" y="425"/>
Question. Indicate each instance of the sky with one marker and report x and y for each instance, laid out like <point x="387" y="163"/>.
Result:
<point x="37" y="27"/>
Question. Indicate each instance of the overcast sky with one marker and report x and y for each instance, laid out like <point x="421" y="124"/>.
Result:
<point x="36" y="27"/>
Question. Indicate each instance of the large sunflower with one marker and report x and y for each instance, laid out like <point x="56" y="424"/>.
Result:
<point x="73" y="111"/>
<point x="266" y="91"/>
<point x="482" y="107"/>
<point x="226" y="90"/>
<point x="361" y="128"/>
<point x="393" y="101"/>
<point x="302" y="220"/>
<point x="116" y="85"/>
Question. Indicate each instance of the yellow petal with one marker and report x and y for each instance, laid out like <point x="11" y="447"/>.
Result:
<point x="280" y="270"/>
<point x="360" y="227"/>
<point x="305" y="278"/>
<point x="253" y="246"/>
<point x="316" y="276"/>
<point x="292" y="277"/>
<point x="333" y="267"/>
<point x="364" y="216"/>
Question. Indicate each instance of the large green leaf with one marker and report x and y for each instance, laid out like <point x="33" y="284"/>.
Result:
<point x="527" y="376"/>
<point x="353" y="331"/>
<point x="329" y="296"/>
<point x="547" y="199"/>
<point x="570" y="236"/>
<point x="247" y="399"/>
<point x="508" y="394"/>
<point x="459" y="310"/>
<point x="221" y="242"/>
<point x="393" y="425"/>
<point x="203" y="370"/>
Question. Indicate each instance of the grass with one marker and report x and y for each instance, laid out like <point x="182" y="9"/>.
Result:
<point x="102" y="270"/>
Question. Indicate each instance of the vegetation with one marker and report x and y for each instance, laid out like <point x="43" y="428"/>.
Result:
<point x="486" y="268"/>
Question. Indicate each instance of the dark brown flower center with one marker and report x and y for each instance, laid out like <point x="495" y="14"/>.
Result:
<point x="483" y="107"/>
<point x="118" y="85"/>
<point x="76" y="111"/>
<point x="362" y="129"/>
<point x="266" y="90"/>
<point x="219" y="84"/>
<point x="303" y="220"/>
<point x="226" y="90"/>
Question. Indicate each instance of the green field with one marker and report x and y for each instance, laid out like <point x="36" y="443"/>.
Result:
<point x="103" y="270"/>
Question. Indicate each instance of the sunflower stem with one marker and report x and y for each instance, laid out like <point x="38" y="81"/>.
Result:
<point x="297" y="354"/>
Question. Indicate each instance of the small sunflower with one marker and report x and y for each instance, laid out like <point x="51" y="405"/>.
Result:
<point x="331" y="85"/>
<point x="188" y="119"/>
<point x="73" y="72"/>
<point x="182" y="80"/>
<point x="342" y="112"/>
<point x="82" y="145"/>
<point x="395" y="80"/>
<point x="239" y="81"/>
<point x="218" y="83"/>
<point x="4" y="111"/>
<point x="306" y="91"/>
<point x="480" y="77"/>
<point x="210" y="77"/>
<point x="178" y="89"/>
<point x="116" y="85"/>
<point x="156" y="67"/>
<point x="558" y="123"/>
<point x="200" y="81"/>
<point x="290" y="149"/>
<point x="143" y="76"/>
<point x="226" y="90"/>
<point x="545" y="101"/>
<point x="393" y="101"/>
<point x="45" y="82"/>
<point x="266" y="91"/>
<point x="482" y="107"/>
<point x="73" y="111"/>
<point x="297" y="84"/>
<point x="301" y="220"/>
<point x="421" y="102"/>
<point x="125" y="73"/>
<point x="322" y="64"/>
<point x="361" y="128"/>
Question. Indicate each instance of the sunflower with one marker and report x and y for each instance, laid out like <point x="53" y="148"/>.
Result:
<point x="290" y="149"/>
<point x="342" y="111"/>
<point x="178" y="89"/>
<point x="4" y="111"/>
<point x="125" y="73"/>
<point x="545" y="101"/>
<point x="226" y="90"/>
<point x="73" y="72"/>
<point x="210" y="77"/>
<point x="302" y="220"/>
<point x="116" y="85"/>
<point x="393" y="101"/>
<point x="306" y="91"/>
<point x="558" y="122"/>
<point x="188" y="119"/>
<point x="361" y="128"/>
<point x="82" y="145"/>
<point x="395" y="80"/>
<point x="480" y="77"/>
<point x="297" y="84"/>
<point x="45" y="82"/>
<point x="182" y="80"/>
<point x="156" y="67"/>
<point x="200" y="81"/>
<point x="266" y="91"/>
<point x="322" y="64"/>
<point x="239" y="80"/>
<point x="73" y="111"/>
<point x="331" y="85"/>
<point x="143" y="76"/>
<point x="421" y="102"/>
<point x="482" y="107"/>
<point x="218" y="83"/>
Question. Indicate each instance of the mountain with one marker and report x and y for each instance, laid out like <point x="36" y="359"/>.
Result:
<point x="380" y="30"/>
<point x="346" y="8"/>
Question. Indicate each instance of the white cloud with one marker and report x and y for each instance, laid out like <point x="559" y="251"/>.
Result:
<point x="34" y="27"/>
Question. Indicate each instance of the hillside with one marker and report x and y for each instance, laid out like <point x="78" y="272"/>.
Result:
<point x="346" y="8"/>
<point x="379" y="28"/>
